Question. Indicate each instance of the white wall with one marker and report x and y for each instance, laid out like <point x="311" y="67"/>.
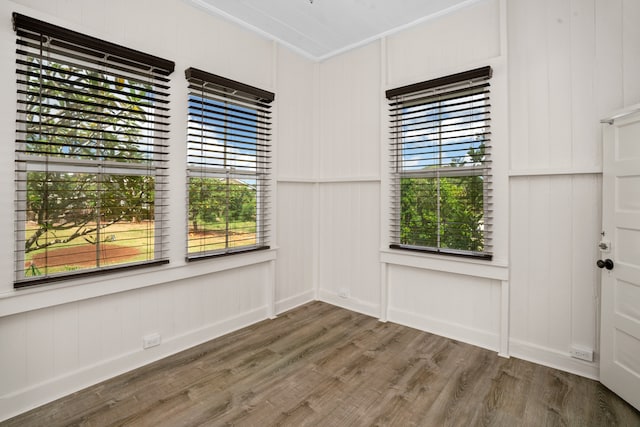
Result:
<point x="349" y="179"/>
<point x="62" y="337"/>
<point x="570" y="64"/>
<point x="294" y="165"/>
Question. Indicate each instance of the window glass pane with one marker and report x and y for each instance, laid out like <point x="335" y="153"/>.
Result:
<point x="462" y="213"/>
<point x="448" y="133"/>
<point x="446" y="212"/>
<point x="222" y="214"/>
<point x="81" y="221"/>
<point x="419" y="212"/>
<point x="242" y="213"/>
<point x="74" y="112"/>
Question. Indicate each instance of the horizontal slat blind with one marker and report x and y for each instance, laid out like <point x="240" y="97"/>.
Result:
<point x="91" y="155"/>
<point x="441" y="165"/>
<point x="228" y="163"/>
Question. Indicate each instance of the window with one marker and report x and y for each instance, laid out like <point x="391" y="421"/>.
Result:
<point x="228" y="161"/>
<point x="91" y="152"/>
<point x="441" y="165"/>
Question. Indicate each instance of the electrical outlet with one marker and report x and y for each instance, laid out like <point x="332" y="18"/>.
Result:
<point x="582" y="353"/>
<point x="151" y="340"/>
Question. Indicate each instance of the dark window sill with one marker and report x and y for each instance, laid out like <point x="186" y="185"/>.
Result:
<point x="25" y="283"/>
<point x="201" y="257"/>
<point x="446" y="252"/>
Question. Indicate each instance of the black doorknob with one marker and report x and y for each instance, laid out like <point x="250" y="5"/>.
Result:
<point x="607" y="263"/>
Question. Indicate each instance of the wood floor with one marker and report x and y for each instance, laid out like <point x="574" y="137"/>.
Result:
<point x="320" y="365"/>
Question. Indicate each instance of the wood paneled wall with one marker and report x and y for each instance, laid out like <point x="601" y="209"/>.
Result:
<point x="570" y="64"/>
<point x="295" y="163"/>
<point x="349" y="179"/>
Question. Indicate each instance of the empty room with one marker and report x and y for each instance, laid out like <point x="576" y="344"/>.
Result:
<point x="320" y="212"/>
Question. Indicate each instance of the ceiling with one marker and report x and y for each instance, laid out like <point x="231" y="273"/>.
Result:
<point x="319" y="29"/>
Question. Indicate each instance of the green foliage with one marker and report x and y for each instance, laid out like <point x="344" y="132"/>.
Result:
<point x="213" y="200"/>
<point x="207" y="200"/>
<point x="78" y="205"/>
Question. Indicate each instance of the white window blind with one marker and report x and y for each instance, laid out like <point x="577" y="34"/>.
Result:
<point x="441" y="165"/>
<point x="91" y="153"/>
<point x="228" y="164"/>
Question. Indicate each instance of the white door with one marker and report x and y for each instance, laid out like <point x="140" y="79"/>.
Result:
<point x="620" y="261"/>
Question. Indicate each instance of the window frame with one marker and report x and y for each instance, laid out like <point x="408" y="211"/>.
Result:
<point x="84" y="54"/>
<point x="234" y="102"/>
<point x="424" y="94"/>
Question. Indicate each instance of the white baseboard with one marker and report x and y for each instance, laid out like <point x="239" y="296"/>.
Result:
<point x="485" y="339"/>
<point x="294" y="301"/>
<point x="349" y="303"/>
<point x="39" y="394"/>
<point x="553" y="359"/>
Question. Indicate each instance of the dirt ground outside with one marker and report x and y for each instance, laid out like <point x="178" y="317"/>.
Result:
<point x="83" y="256"/>
<point x="204" y="240"/>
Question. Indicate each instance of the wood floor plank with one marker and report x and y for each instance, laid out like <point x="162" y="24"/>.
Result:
<point x="503" y="404"/>
<point x="320" y="365"/>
